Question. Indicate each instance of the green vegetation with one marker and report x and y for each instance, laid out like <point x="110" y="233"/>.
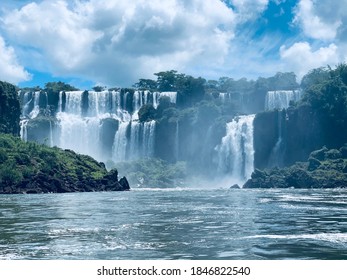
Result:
<point x="33" y="168"/>
<point x="326" y="93"/>
<point x="59" y="86"/>
<point x="325" y="169"/>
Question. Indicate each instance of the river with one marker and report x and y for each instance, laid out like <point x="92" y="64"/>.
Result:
<point x="177" y="223"/>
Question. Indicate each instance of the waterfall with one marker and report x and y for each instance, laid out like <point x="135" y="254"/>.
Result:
<point x="236" y="152"/>
<point x="60" y="102"/>
<point x="73" y="103"/>
<point x="148" y="139"/>
<point x="80" y="117"/>
<point x="23" y="129"/>
<point x="79" y="134"/>
<point x="157" y="95"/>
<point x="35" y="112"/>
<point x="26" y="103"/>
<point x="280" y="99"/>
<point x="224" y="96"/>
<point x="134" y="140"/>
<point x="120" y="143"/>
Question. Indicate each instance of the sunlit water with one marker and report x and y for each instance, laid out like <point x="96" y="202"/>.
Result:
<point x="175" y="224"/>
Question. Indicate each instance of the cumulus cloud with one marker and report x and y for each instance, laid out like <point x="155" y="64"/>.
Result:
<point x="301" y="58"/>
<point x="118" y="41"/>
<point x="316" y="20"/>
<point x="10" y="70"/>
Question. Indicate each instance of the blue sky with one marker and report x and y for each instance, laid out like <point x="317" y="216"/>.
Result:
<point x="116" y="42"/>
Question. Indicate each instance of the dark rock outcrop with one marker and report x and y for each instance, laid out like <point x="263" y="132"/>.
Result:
<point x="324" y="169"/>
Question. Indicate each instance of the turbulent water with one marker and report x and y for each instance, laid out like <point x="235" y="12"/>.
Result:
<point x="176" y="224"/>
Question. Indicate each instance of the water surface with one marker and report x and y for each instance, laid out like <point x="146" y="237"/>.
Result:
<point x="176" y="224"/>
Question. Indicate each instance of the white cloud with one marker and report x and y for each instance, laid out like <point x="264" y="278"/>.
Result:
<point x="10" y="70"/>
<point x="300" y="57"/>
<point x="249" y="9"/>
<point x="118" y="41"/>
<point x="314" y="24"/>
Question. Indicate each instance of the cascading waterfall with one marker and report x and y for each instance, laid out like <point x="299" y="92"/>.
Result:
<point x="23" y="129"/>
<point x="280" y="99"/>
<point x="157" y="95"/>
<point x="148" y="139"/>
<point x="80" y="116"/>
<point x="134" y="140"/>
<point x="236" y="152"/>
<point x="36" y="97"/>
<point x="120" y="143"/>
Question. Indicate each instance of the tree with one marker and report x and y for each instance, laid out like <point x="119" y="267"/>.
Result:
<point x="147" y="113"/>
<point x="146" y="84"/>
<point x="99" y="88"/>
<point x="328" y="98"/>
<point x="315" y="77"/>
<point x="167" y="81"/>
<point x="59" y="86"/>
<point x="283" y="81"/>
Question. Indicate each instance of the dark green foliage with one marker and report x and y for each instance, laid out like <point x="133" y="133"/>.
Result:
<point x="164" y="103"/>
<point x="99" y="88"/>
<point x="147" y="113"/>
<point x="190" y="90"/>
<point x="207" y="113"/>
<point x="167" y="81"/>
<point x="325" y="169"/>
<point x="146" y="84"/>
<point x="315" y="77"/>
<point x="30" y="167"/>
<point x="283" y="81"/>
<point x="319" y="154"/>
<point x="9" y="109"/>
<point x="328" y="99"/>
<point x="59" y="86"/>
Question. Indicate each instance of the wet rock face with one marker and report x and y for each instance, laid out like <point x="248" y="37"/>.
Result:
<point x="297" y="130"/>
